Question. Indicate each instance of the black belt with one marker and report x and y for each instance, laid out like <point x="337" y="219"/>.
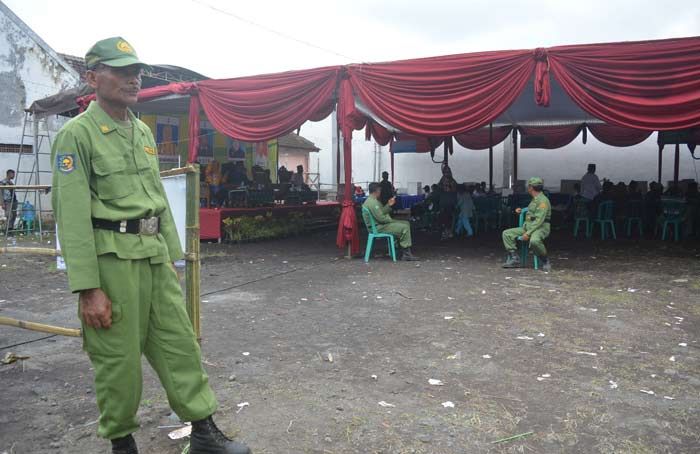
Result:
<point x="145" y="226"/>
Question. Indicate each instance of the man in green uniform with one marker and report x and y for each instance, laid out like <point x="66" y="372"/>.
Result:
<point x="535" y="229"/>
<point x="384" y="222"/>
<point x="119" y="240"/>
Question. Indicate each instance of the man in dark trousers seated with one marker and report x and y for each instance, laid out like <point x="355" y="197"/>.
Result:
<point x="401" y="230"/>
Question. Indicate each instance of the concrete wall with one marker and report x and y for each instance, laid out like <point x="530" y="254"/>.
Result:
<point x="28" y="71"/>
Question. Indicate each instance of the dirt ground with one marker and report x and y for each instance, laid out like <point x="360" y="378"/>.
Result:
<point x="599" y="356"/>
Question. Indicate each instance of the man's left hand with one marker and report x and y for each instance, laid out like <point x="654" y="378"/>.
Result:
<point x="391" y="201"/>
<point x="526" y="237"/>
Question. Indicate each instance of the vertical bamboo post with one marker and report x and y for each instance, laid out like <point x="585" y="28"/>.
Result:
<point x="676" y="164"/>
<point x="192" y="268"/>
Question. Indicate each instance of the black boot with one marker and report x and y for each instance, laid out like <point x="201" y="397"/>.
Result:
<point x="208" y="439"/>
<point x="512" y="261"/>
<point x="124" y="445"/>
<point x="545" y="264"/>
<point x="407" y="255"/>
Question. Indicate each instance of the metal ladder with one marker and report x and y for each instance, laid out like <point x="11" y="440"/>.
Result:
<point x="29" y="170"/>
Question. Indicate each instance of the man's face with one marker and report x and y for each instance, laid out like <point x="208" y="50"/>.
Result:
<point x="11" y="175"/>
<point x="118" y="86"/>
<point x="531" y="191"/>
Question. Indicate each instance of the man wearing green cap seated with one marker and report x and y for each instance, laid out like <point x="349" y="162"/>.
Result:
<point x="119" y="240"/>
<point x="535" y="229"/>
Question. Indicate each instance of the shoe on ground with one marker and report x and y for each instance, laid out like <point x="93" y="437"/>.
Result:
<point x="512" y="261"/>
<point x="124" y="445"/>
<point x="206" y="438"/>
<point x="407" y="256"/>
<point x="545" y="264"/>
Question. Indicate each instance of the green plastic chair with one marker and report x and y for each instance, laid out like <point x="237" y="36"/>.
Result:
<point x="374" y="234"/>
<point x="634" y="210"/>
<point x="581" y="216"/>
<point x="672" y="211"/>
<point x="605" y="219"/>
<point x="525" y="245"/>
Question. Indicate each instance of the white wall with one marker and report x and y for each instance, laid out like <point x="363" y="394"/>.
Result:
<point x="27" y="72"/>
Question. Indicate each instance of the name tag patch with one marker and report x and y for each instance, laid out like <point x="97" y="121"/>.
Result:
<point x="65" y="163"/>
<point x="149" y="150"/>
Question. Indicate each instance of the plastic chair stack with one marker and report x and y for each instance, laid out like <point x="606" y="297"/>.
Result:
<point x="525" y="245"/>
<point x="374" y="234"/>
<point x="605" y="219"/>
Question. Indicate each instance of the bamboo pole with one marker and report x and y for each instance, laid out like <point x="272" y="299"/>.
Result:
<point x="29" y="250"/>
<point x="192" y="267"/>
<point x="26" y="186"/>
<point x="40" y="327"/>
<point x="178" y="171"/>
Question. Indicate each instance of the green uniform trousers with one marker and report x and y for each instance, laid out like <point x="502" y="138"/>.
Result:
<point x="148" y="317"/>
<point x="536" y="239"/>
<point x="400" y="229"/>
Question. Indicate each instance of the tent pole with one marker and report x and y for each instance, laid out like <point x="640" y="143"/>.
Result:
<point x="515" y="156"/>
<point x="392" y="167"/>
<point x="661" y="161"/>
<point x="676" y="164"/>
<point x="490" y="156"/>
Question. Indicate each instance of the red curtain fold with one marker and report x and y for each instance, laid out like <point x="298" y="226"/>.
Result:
<point x="259" y="108"/>
<point x="548" y="137"/>
<point x="348" y="119"/>
<point x="443" y="96"/>
<point x="617" y="136"/>
<point x="648" y="85"/>
<point x="479" y="138"/>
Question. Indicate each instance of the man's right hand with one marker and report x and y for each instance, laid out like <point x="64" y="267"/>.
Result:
<point x="518" y="210"/>
<point x="392" y="201"/>
<point x="95" y="308"/>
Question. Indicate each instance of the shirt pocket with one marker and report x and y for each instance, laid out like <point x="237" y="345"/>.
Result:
<point x="111" y="178"/>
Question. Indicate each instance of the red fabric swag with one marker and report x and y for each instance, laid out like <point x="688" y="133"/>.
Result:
<point x="479" y="138"/>
<point x="259" y="108"/>
<point x="443" y="96"/>
<point x="548" y="137"/>
<point x="649" y="85"/>
<point x="617" y="136"/>
<point x="348" y="119"/>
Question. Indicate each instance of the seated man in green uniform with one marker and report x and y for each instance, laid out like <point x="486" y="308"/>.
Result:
<point x="119" y="240"/>
<point x="535" y="229"/>
<point x="384" y="222"/>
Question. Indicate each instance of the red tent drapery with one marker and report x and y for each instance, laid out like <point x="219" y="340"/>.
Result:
<point x="642" y="86"/>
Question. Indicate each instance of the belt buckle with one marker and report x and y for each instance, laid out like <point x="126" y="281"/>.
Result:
<point x="148" y="226"/>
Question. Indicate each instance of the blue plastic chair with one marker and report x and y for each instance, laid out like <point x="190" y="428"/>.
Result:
<point x="605" y="219"/>
<point x="634" y="214"/>
<point x="581" y="216"/>
<point x="374" y="234"/>
<point x="525" y="245"/>
<point x="672" y="211"/>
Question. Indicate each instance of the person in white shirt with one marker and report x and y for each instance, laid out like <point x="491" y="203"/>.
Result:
<point x="590" y="184"/>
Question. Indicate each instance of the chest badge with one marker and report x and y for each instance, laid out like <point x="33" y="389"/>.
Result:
<point x="65" y="163"/>
<point x="150" y="150"/>
<point x="104" y="128"/>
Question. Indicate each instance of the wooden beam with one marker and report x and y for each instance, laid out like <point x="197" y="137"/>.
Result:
<point x="661" y="162"/>
<point x="42" y="328"/>
<point x="192" y="264"/>
<point x="676" y="163"/>
<point x="490" y="156"/>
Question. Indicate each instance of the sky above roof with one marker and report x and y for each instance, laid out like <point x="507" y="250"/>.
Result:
<point x="226" y="39"/>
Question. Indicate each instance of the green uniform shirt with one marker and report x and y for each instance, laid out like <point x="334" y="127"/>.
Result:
<point x="539" y="212"/>
<point x="379" y="211"/>
<point x="107" y="171"/>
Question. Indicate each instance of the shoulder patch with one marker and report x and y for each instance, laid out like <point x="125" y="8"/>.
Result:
<point x="65" y="163"/>
<point x="149" y="150"/>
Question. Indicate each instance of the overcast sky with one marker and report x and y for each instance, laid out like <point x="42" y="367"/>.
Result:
<point x="191" y="34"/>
